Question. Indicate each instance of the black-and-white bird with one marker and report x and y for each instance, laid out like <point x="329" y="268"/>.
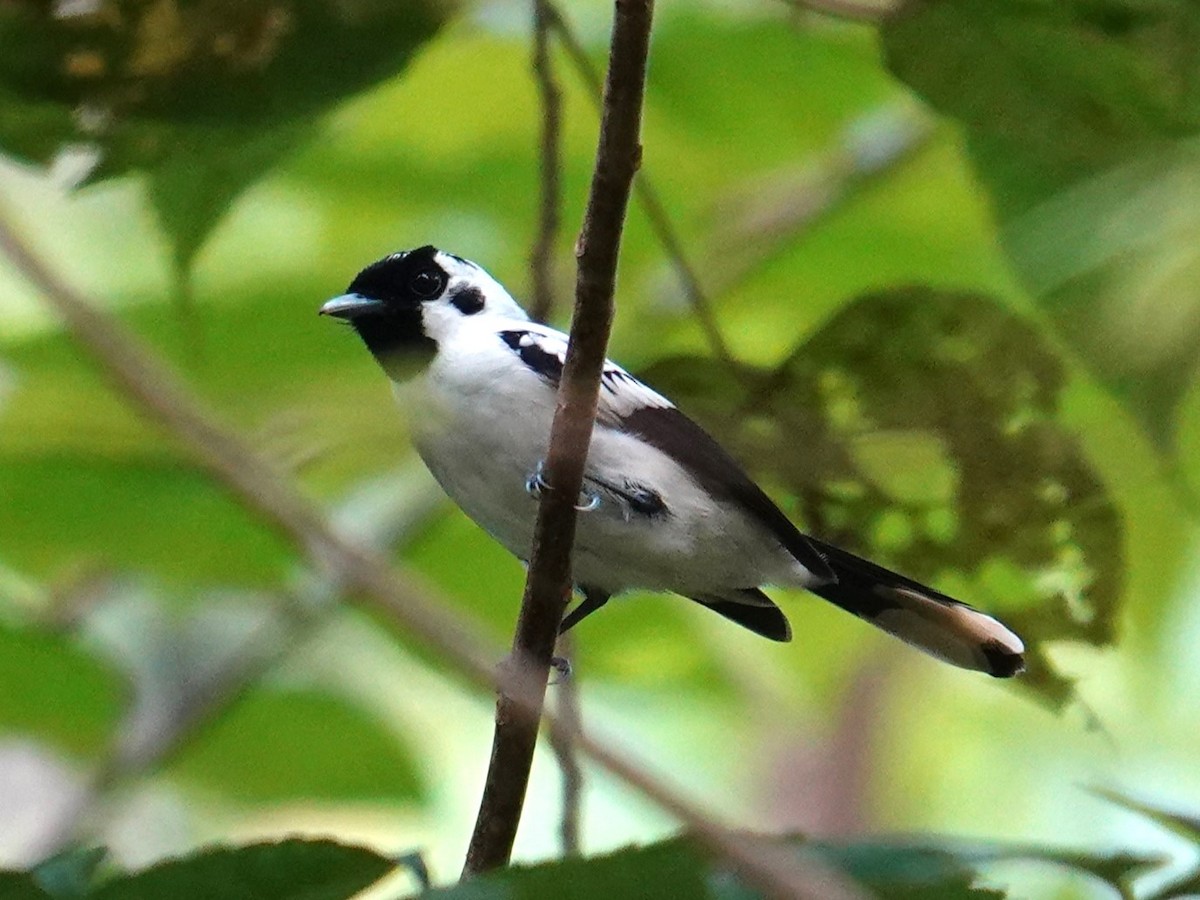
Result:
<point x="665" y="507"/>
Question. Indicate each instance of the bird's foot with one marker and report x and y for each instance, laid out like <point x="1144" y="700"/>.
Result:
<point x="536" y="485"/>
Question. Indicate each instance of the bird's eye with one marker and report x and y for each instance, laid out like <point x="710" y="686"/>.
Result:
<point x="427" y="283"/>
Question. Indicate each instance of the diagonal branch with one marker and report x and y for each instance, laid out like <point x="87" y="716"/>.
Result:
<point x="548" y="585"/>
<point x="647" y="195"/>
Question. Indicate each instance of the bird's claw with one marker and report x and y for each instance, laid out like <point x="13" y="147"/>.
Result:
<point x="536" y="485"/>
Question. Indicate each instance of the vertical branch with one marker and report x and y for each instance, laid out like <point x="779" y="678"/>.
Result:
<point x="548" y="584"/>
<point x="541" y="260"/>
<point x="562" y="741"/>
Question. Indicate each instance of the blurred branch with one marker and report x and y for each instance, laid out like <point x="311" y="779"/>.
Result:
<point x="549" y="218"/>
<point x="648" y="197"/>
<point x="562" y="741"/>
<point x="158" y="392"/>
<point x="773" y="214"/>
<point x="550" y="166"/>
<point x="548" y="583"/>
<point x="399" y="507"/>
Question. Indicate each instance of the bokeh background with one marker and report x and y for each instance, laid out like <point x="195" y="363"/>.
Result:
<point x="952" y="265"/>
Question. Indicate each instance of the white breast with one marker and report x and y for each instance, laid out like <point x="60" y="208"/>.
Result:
<point x="481" y="422"/>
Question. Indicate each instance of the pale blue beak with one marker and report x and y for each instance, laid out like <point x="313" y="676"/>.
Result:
<point x="351" y="306"/>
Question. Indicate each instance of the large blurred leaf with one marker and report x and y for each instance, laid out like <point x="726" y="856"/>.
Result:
<point x="61" y="510"/>
<point x="888" y="869"/>
<point x="677" y="869"/>
<point x="297" y="869"/>
<point x="281" y="745"/>
<point x="919" y="427"/>
<point x="56" y="691"/>
<point x="204" y="96"/>
<point x="1078" y="117"/>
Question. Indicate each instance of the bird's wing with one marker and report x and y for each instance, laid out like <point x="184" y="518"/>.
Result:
<point x="626" y="404"/>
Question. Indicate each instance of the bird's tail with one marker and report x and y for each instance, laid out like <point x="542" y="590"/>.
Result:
<point x="940" y="625"/>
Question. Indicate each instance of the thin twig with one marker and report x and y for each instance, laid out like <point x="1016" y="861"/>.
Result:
<point x="649" y="199"/>
<point x="562" y="742"/>
<point x="549" y="166"/>
<point x="157" y="391"/>
<point x="548" y="584"/>
<point x="541" y="261"/>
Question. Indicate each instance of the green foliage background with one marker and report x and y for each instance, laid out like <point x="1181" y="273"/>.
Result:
<point x="954" y="258"/>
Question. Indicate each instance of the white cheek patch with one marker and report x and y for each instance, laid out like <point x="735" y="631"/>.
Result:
<point x="953" y="632"/>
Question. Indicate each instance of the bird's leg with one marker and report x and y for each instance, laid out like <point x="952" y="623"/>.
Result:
<point x="536" y="484"/>
<point x="593" y="599"/>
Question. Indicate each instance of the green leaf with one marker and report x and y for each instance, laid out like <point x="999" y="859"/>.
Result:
<point x="296" y="869"/>
<point x="21" y="886"/>
<point x="669" y="869"/>
<point x="203" y="97"/>
<point x="62" y="509"/>
<point x="1080" y="118"/>
<point x="276" y="745"/>
<point x="193" y="185"/>
<point x="676" y="868"/>
<point x="907" y="872"/>
<point x="252" y="63"/>
<point x="56" y="691"/>
<point x="70" y="874"/>
<point x="920" y="427"/>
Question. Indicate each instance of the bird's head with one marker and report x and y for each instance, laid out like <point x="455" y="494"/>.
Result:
<point x="407" y="303"/>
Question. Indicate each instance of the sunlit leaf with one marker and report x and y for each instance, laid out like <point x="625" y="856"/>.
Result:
<point x="1079" y="117"/>
<point x="1118" y="869"/>
<point x="1185" y="825"/>
<point x="920" y="428"/>
<point x="300" y="869"/>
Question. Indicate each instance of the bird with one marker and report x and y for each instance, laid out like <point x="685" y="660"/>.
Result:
<point x="664" y="507"/>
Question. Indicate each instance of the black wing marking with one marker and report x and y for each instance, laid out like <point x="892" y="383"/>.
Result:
<point x="545" y="361"/>
<point x="545" y="352"/>
<point x="754" y="610"/>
